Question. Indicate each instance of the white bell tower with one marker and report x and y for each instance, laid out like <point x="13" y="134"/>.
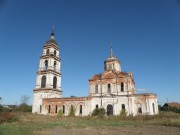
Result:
<point x="48" y="82"/>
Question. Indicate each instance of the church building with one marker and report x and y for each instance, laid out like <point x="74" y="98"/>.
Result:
<point x="112" y="90"/>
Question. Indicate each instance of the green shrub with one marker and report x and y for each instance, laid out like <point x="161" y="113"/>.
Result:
<point x="123" y="113"/>
<point x="72" y="111"/>
<point x="24" y="108"/>
<point x="5" y="109"/>
<point x="60" y="113"/>
<point x="99" y="112"/>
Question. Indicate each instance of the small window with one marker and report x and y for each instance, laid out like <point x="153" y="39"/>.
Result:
<point x="96" y="89"/>
<point x="63" y="108"/>
<point x="46" y="64"/>
<point x="56" y="109"/>
<point x="122" y="87"/>
<point x="55" y="52"/>
<point x="49" y="109"/>
<point x="54" y="65"/>
<point x="80" y="110"/>
<point x="97" y="106"/>
<point x="109" y="88"/>
<point x="47" y="51"/>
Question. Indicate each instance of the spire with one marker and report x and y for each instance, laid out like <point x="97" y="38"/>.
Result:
<point x="52" y="33"/>
<point x="52" y="37"/>
<point x="111" y="52"/>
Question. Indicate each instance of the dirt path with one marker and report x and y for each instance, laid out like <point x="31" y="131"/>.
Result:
<point x="127" y="130"/>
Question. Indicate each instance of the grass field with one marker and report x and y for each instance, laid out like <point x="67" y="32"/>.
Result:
<point x="27" y="123"/>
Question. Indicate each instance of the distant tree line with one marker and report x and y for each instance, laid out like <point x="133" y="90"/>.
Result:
<point x="22" y="107"/>
<point x="169" y="108"/>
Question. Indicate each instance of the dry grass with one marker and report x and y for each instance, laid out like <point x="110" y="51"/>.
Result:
<point x="31" y="123"/>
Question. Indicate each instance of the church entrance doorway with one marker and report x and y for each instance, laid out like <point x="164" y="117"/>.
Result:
<point x="109" y="109"/>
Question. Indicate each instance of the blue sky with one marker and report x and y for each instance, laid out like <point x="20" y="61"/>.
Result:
<point x="145" y="35"/>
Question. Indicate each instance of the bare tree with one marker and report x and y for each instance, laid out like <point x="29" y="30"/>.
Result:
<point x="25" y="99"/>
<point x="0" y="99"/>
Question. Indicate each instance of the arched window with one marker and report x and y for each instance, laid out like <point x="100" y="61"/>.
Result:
<point x="63" y="108"/>
<point x="47" y="51"/>
<point x="96" y="88"/>
<point x="43" y="81"/>
<point x="123" y="108"/>
<point x="72" y="110"/>
<point x="153" y="107"/>
<point x="122" y="87"/>
<point x="139" y="108"/>
<point x="40" y="109"/>
<point x="46" y="64"/>
<point x="54" y="82"/>
<point x="49" y="109"/>
<point x="97" y="106"/>
<point x="109" y="88"/>
<point x="54" y="65"/>
<point x="55" y="52"/>
<point x="80" y="109"/>
<point x="56" y="109"/>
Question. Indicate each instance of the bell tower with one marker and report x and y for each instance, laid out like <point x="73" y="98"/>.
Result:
<point x="48" y="82"/>
<point x="112" y="63"/>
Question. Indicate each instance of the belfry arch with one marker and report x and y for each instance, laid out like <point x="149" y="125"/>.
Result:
<point x="55" y="82"/>
<point x="43" y="81"/>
